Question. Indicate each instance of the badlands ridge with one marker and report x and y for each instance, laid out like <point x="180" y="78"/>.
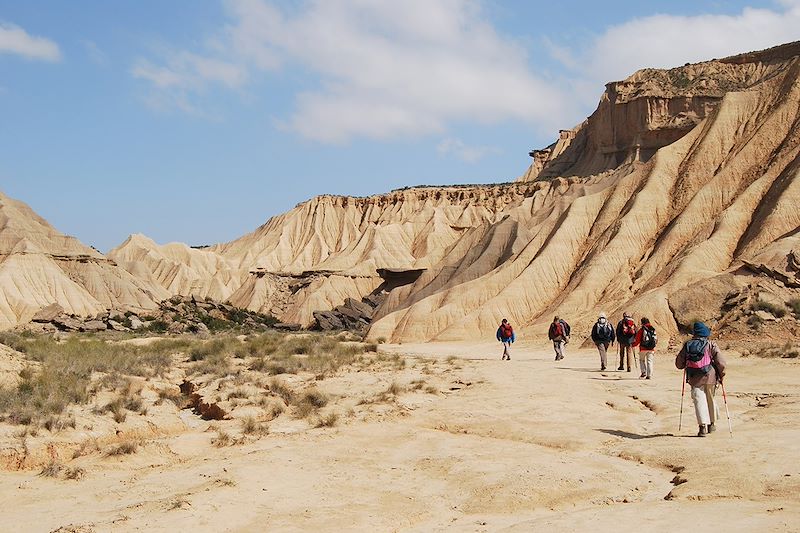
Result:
<point x="677" y="198"/>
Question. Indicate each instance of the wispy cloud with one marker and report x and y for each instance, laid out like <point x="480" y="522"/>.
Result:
<point x="98" y="56"/>
<point x="15" y="40"/>
<point x="665" y="41"/>
<point x="384" y="69"/>
<point x="470" y="154"/>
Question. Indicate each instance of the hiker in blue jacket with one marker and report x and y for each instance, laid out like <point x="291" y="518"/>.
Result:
<point x="505" y="334"/>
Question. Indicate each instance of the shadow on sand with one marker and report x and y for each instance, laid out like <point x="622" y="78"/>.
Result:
<point x="634" y="436"/>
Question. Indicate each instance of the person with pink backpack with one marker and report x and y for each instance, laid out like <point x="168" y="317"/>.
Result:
<point x="704" y="367"/>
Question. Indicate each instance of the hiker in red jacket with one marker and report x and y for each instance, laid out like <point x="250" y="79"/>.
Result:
<point x="505" y="334"/>
<point x="559" y="334"/>
<point x="646" y="341"/>
<point x="626" y="332"/>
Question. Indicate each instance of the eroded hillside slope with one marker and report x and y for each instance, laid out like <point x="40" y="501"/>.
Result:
<point x="40" y="266"/>
<point x="637" y="233"/>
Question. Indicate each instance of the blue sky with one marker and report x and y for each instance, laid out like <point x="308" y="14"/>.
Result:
<point x="196" y="121"/>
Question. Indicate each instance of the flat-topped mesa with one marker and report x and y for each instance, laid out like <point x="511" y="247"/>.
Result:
<point x="651" y="109"/>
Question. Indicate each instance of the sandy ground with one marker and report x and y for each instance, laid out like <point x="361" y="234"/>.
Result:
<point x="525" y="445"/>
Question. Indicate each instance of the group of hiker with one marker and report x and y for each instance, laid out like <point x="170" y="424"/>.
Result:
<point x="700" y="358"/>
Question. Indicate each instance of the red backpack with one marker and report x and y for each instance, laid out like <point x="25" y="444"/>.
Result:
<point x="506" y="331"/>
<point x="628" y="328"/>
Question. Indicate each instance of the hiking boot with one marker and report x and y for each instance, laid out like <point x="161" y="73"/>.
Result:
<point x="602" y="368"/>
<point x="642" y="376"/>
<point x="648" y="377"/>
<point x="712" y="428"/>
<point x="621" y="368"/>
<point x="703" y="431"/>
<point x="629" y="370"/>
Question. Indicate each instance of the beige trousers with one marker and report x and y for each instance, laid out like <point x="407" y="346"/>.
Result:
<point x="705" y="407"/>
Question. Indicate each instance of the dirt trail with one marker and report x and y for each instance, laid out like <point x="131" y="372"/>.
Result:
<point x="524" y="445"/>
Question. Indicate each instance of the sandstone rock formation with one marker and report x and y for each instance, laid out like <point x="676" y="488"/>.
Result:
<point x="40" y="266"/>
<point x="627" y="228"/>
<point x="677" y="199"/>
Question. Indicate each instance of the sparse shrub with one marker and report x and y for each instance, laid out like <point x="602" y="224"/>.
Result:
<point x="794" y="305"/>
<point x="171" y="394"/>
<point x="74" y="473"/>
<point x="222" y="439"/>
<point x="157" y="326"/>
<point x="381" y="340"/>
<point x="280" y="389"/>
<point x="395" y="389"/>
<point x="431" y="390"/>
<point x="417" y="384"/>
<point x="371" y="347"/>
<point x="56" y="423"/>
<point x="776" y="310"/>
<point x="755" y="321"/>
<point x="126" y="447"/>
<point x="53" y="469"/>
<point x="250" y="426"/>
<point x="238" y="393"/>
<point x="217" y="364"/>
<point x="310" y="402"/>
<point x="327" y="421"/>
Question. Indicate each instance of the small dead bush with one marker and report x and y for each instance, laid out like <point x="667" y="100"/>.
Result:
<point x="126" y="447"/>
<point x="53" y="469"/>
<point x="327" y="421"/>
<point x="280" y="389"/>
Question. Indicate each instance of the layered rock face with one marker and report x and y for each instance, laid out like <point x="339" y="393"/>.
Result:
<point x="325" y="251"/>
<point x="677" y="199"/>
<point x="40" y="266"/>
<point x="633" y="234"/>
<point x="652" y="109"/>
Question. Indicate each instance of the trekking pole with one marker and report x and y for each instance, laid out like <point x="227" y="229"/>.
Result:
<point x="683" y="390"/>
<point x="725" y="400"/>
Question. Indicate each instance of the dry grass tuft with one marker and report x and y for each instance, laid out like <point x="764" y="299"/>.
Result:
<point x="310" y="402"/>
<point x="53" y="469"/>
<point x="126" y="447"/>
<point x="251" y="426"/>
<point x="327" y="421"/>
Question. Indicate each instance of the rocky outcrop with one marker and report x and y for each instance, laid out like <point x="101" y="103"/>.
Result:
<point x="175" y="315"/>
<point x="651" y="109"/>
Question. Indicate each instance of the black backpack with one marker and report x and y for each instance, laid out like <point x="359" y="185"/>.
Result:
<point x="649" y="339"/>
<point x="604" y="331"/>
<point x="565" y="326"/>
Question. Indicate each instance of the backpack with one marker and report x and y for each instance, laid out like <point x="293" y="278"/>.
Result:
<point x="604" y="331"/>
<point x="648" y="337"/>
<point x="564" y="327"/>
<point x="698" y="357"/>
<point x="628" y="328"/>
<point x="506" y="331"/>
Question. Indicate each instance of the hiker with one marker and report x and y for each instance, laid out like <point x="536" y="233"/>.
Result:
<point x="705" y="367"/>
<point x="626" y="332"/>
<point x="602" y="336"/>
<point x="559" y="334"/>
<point x="505" y="334"/>
<point x="646" y="341"/>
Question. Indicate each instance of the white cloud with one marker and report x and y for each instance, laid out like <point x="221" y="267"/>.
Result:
<point x="392" y="69"/>
<point x="470" y="154"/>
<point x="665" y="41"/>
<point x="186" y="70"/>
<point x="15" y="40"/>
<point x="384" y="68"/>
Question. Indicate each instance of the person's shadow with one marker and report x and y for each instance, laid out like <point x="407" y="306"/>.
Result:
<point x="634" y="436"/>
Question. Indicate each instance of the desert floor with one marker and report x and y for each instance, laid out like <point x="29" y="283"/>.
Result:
<point x="525" y="445"/>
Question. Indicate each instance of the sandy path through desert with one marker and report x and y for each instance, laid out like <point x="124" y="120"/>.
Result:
<point x="526" y="445"/>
